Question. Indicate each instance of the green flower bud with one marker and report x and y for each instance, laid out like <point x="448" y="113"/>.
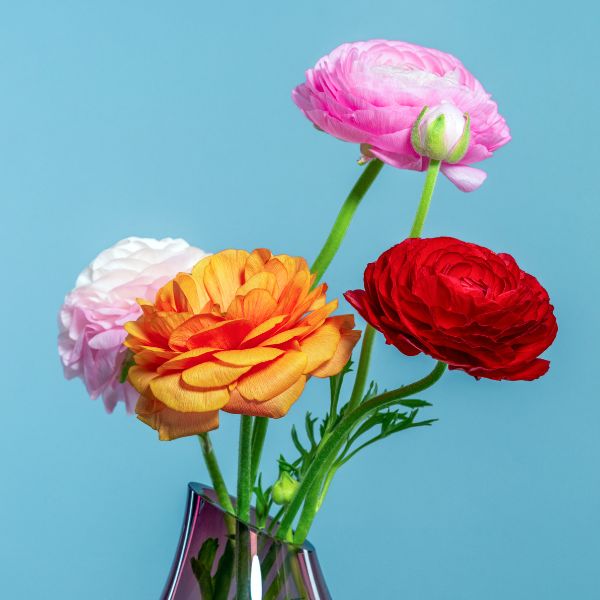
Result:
<point x="284" y="488"/>
<point x="442" y="133"/>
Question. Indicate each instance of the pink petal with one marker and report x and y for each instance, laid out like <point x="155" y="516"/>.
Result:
<point x="466" y="179"/>
<point x="108" y="339"/>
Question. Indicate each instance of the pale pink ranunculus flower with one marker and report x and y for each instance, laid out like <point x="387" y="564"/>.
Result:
<point x="371" y="93"/>
<point x="91" y="320"/>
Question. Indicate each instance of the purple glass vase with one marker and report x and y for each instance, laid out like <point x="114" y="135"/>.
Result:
<point x="221" y="558"/>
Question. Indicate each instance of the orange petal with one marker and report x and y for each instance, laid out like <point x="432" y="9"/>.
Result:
<point x="285" y="336"/>
<point x="213" y="374"/>
<point x="140" y="378"/>
<point x="200" y="267"/>
<point x="176" y="394"/>
<point x="223" y="276"/>
<point x="341" y="357"/>
<point x="263" y="330"/>
<point x="317" y="317"/>
<point x="294" y="293"/>
<point x="137" y="335"/>
<point x="256" y="262"/>
<point x="185" y="360"/>
<point x="260" y="281"/>
<point x="165" y="300"/>
<point x="151" y="358"/>
<point x="314" y="300"/>
<point x="249" y="357"/>
<point x="277" y="268"/>
<point x="274" y="408"/>
<point x="259" y="306"/>
<point x="292" y="264"/>
<point x="226" y="335"/>
<point x="320" y="346"/>
<point x="266" y="381"/>
<point x="185" y="293"/>
<point x="193" y="325"/>
<point x="171" y="424"/>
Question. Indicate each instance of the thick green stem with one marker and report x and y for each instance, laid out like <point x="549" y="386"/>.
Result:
<point x="244" y="487"/>
<point x="319" y="475"/>
<point x="214" y="471"/>
<point x="344" y="217"/>
<point x="244" y="492"/>
<point x="259" y="432"/>
<point x="327" y="454"/>
<point x="423" y="209"/>
<point x="362" y="370"/>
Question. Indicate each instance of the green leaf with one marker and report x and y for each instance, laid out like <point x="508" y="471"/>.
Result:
<point x="301" y="449"/>
<point x="414" y="403"/>
<point x="128" y="362"/>
<point x="202" y="567"/>
<point x="309" y="424"/>
<point x="224" y="574"/>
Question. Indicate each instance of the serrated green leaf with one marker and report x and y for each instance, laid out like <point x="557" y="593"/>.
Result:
<point x="309" y="425"/>
<point x="296" y="440"/>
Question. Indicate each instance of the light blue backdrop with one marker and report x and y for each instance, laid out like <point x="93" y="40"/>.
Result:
<point x="175" y="119"/>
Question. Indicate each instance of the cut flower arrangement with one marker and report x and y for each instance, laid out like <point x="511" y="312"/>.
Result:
<point x="180" y="335"/>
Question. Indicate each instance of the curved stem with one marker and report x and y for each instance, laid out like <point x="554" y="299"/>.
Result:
<point x="338" y="231"/>
<point x="259" y="432"/>
<point x="423" y="209"/>
<point x="363" y="368"/>
<point x="244" y="469"/>
<point x="214" y="471"/>
<point x="327" y="454"/>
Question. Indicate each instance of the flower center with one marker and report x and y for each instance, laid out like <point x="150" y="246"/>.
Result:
<point x="407" y="75"/>
<point x="474" y="285"/>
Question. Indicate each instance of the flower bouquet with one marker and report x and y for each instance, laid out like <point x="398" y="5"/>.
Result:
<point x="179" y="335"/>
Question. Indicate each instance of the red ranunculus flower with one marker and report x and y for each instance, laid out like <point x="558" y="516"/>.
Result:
<point x="460" y="303"/>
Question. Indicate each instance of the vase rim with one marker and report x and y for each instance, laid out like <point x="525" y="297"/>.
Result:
<point x="200" y="489"/>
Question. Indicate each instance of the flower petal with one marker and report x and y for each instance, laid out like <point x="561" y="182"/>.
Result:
<point x="274" y="408"/>
<point x="196" y="324"/>
<point x="176" y="394"/>
<point x="342" y="355"/>
<point x="185" y="360"/>
<point x="226" y="335"/>
<point x="267" y="381"/>
<point x="140" y="378"/>
<point x="249" y="357"/>
<point x="213" y="374"/>
<point x="223" y="276"/>
<point x="466" y="179"/>
<point x="172" y="424"/>
<point x="320" y="346"/>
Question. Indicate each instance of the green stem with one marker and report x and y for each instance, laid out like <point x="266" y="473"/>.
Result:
<point x="214" y="471"/>
<point x="326" y="484"/>
<point x="338" y="231"/>
<point x="362" y="370"/>
<point x="244" y="469"/>
<point x="327" y="454"/>
<point x="423" y="209"/>
<point x="259" y="432"/>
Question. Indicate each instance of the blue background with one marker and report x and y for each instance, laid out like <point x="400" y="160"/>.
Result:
<point x="175" y="119"/>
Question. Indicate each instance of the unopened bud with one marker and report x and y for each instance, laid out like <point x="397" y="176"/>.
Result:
<point x="442" y="133"/>
<point x="284" y="489"/>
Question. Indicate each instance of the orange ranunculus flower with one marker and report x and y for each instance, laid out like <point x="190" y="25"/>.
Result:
<point x="241" y="333"/>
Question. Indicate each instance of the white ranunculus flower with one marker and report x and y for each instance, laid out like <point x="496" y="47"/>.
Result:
<point x="91" y="333"/>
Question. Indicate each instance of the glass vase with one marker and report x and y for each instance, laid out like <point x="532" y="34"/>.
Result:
<point x="222" y="558"/>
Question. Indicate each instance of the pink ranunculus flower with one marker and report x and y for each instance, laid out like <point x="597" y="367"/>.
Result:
<point x="91" y="320"/>
<point x="371" y="93"/>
